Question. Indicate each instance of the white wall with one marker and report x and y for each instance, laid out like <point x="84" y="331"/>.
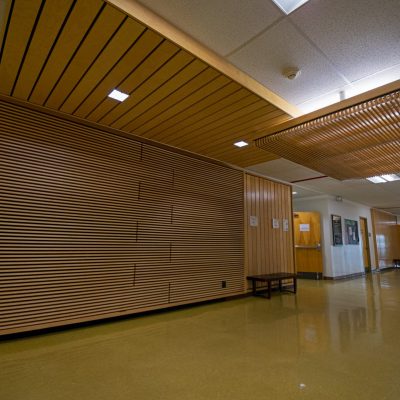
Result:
<point x="339" y="260"/>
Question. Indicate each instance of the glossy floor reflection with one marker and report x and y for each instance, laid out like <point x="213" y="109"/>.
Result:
<point x="334" y="340"/>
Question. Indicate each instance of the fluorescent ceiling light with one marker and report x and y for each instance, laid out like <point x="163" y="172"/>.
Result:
<point x="288" y="6"/>
<point x="376" y="179"/>
<point x="294" y="192"/>
<point x="117" y="95"/>
<point x="391" y="178"/>
<point x="241" y="144"/>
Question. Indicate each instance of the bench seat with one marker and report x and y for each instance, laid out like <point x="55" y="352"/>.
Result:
<point x="269" y="278"/>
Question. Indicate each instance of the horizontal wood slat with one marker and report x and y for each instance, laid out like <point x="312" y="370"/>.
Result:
<point x="94" y="224"/>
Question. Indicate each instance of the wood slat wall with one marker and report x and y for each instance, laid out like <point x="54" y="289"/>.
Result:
<point x="95" y="225"/>
<point x="386" y="237"/>
<point x="268" y="250"/>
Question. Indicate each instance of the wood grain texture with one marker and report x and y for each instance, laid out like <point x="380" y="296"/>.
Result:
<point x="69" y="55"/>
<point x="95" y="225"/>
<point x="357" y="142"/>
<point x="386" y="237"/>
<point x="268" y="250"/>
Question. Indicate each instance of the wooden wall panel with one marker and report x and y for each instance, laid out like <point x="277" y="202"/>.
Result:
<point x="386" y="237"/>
<point x="268" y="250"/>
<point x="95" y="225"/>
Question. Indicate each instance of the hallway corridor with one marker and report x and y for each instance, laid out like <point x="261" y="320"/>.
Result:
<point x="334" y="340"/>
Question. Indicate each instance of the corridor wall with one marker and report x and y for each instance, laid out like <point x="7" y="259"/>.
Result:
<point x="97" y="225"/>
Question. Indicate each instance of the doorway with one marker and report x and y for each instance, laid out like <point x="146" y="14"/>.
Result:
<point x="365" y="244"/>
<point x="307" y="238"/>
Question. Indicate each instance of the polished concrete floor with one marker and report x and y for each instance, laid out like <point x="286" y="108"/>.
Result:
<point x="334" y="340"/>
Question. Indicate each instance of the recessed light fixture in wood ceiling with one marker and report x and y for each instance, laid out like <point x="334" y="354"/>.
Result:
<point x="356" y="142"/>
<point x="69" y="55"/>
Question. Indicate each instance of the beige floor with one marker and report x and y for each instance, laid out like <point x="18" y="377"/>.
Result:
<point x="332" y="341"/>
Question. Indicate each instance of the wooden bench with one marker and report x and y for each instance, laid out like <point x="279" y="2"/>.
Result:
<point x="269" y="278"/>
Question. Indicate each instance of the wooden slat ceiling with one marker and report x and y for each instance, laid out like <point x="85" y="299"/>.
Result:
<point x="357" y="142"/>
<point x="68" y="55"/>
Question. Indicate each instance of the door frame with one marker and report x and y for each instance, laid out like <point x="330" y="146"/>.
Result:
<point x="364" y="227"/>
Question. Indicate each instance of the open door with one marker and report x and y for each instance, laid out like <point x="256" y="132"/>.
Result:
<point x="307" y="234"/>
<point x="365" y="244"/>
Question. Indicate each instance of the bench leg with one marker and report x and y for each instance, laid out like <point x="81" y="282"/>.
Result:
<point x="269" y="289"/>
<point x="280" y="285"/>
<point x="295" y="284"/>
<point x="254" y="286"/>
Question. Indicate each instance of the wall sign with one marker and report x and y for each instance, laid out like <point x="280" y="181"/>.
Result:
<point x="337" y="234"/>
<point x="285" y="224"/>
<point x="351" y="229"/>
<point x="275" y="223"/>
<point x="253" y="220"/>
<point x="304" y="227"/>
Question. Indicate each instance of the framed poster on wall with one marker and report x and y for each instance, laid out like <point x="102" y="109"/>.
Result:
<point x="337" y="233"/>
<point x="351" y="229"/>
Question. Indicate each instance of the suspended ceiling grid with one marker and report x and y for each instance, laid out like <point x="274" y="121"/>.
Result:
<point x="69" y="55"/>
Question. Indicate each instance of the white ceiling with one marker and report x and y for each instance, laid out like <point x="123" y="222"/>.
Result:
<point x="308" y="183"/>
<point x="338" y="44"/>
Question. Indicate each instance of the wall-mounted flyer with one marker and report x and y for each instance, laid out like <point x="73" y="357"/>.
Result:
<point x="275" y="223"/>
<point x="253" y="220"/>
<point x="285" y="224"/>
<point x="337" y="233"/>
<point x="304" y="227"/>
<point x="351" y="229"/>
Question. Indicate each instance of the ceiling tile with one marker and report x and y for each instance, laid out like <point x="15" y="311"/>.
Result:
<point x="361" y="37"/>
<point x="394" y="210"/>
<point x="304" y="193"/>
<point x="284" y="169"/>
<point x="219" y="25"/>
<point x="357" y="190"/>
<point x="280" y="47"/>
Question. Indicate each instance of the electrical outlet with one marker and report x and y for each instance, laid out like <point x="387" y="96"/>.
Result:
<point x="223" y="284"/>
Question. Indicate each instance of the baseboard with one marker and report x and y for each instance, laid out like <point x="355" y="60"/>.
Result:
<point x="349" y="276"/>
<point x="386" y="269"/>
<point x="309" y="275"/>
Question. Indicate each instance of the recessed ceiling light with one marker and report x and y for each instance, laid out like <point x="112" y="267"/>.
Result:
<point x="391" y="177"/>
<point x="117" y="95"/>
<point x="294" y="192"/>
<point x="288" y="6"/>
<point x="376" y="179"/>
<point x="241" y="144"/>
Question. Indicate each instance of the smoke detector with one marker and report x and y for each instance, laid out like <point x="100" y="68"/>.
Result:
<point x="291" y="73"/>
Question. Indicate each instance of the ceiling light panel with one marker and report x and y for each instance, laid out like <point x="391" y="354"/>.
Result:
<point x="241" y="144"/>
<point x="117" y="95"/>
<point x="391" y="177"/>
<point x="376" y="179"/>
<point x="288" y="6"/>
